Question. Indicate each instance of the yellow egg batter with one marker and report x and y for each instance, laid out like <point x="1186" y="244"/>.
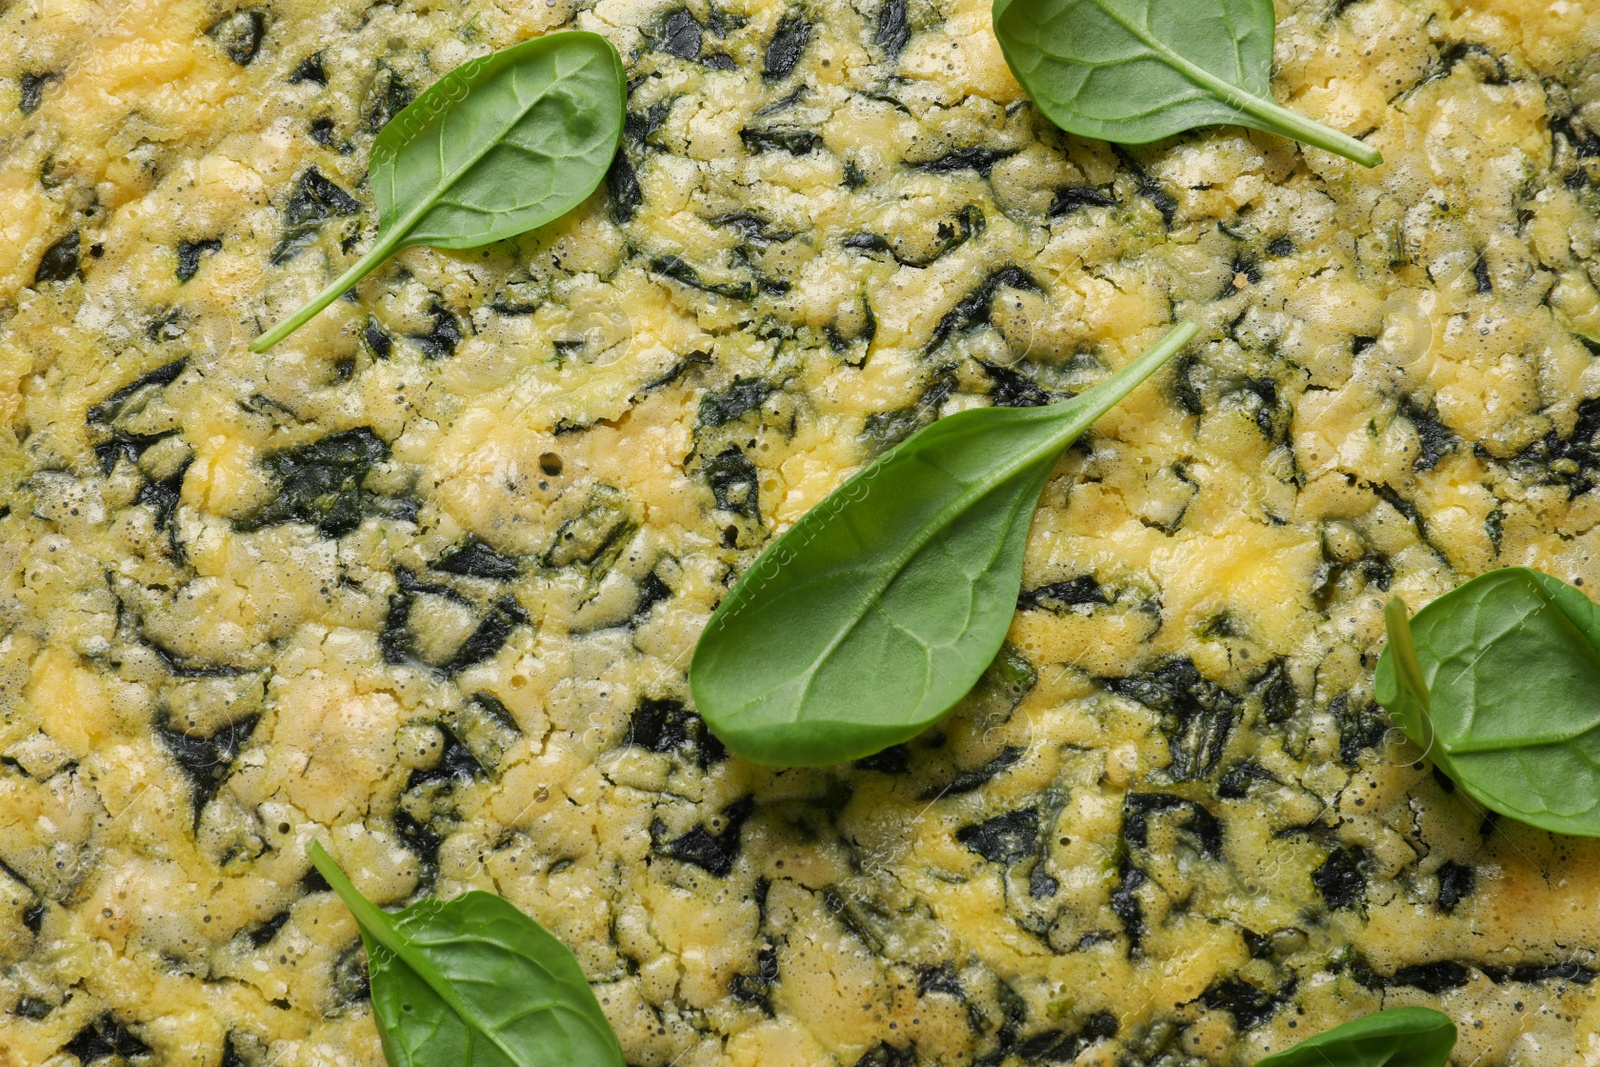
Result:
<point x="422" y="581"/>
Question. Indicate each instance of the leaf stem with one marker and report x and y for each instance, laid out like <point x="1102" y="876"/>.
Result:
<point x="1126" y="381"/>
<point x="1307" y="130"/>
<point x="373" y="919"/>
<point x="334" y="290"/>
<point x="1397" y="621"/>
<point x="1278" y="119"/>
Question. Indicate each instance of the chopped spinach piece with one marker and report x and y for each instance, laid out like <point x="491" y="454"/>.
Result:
<point x="652" y="591"/>
<point x="475" y="559"/>
<point x="239" y="35"/>
<point x="1275" y="690"/>
<point x="974" y="309"/>
<point x="1064" y="1047"/>
<point x="440" y="341"/>
<point x="756" y="988"/>
<point x="1014" y="390"/>
<point x="59" y="262"/>
<point x="981" y="160"/>
<point x="1005" y="838"/>
<point x="205" y="760"/>
<point x="1436" y="439"/>
<point x="189" y="253"/>
<point x="310" y="70"/>
<point x="378" y="342"/>
<point x="1455" y="885"/>
<point x="713" y="852"/>
<point x="789" y="40"/>
<point x="896" y="759"/>
<point x="314" y="201"/>
<point x="1064" y="595"/>
<point x="33" y="1008"/>
<point x="593" y="537"/>
<point x="795" y="142"/>
<point x="491" y="634"/>
<point x="680" y="35"/>
<point x="735" y="482"/>
<point x="967" y="781"/>
<point x="679" y="271"/>
<point x="894" y="29"/>
<point x="163" y="497"/>
<point x="667" y="726"/>
<point x="105" y="1035"/>
<point x="1202" y="826"/>
<point x="117" y="404"/>
<point x="940" y="979"/>
<point x="1236" y="780"/>
<point x="320" y="483"/>
<point x="390" y="96"/>
<point x="1340" y="879"/>
<point x="33" y="86"/>
<point x="419" y="838"/>
<point x="1249" y="1006"/>
<point x="1198" y="714"/>
<point x="262" y="933"/>
<point x="866" y="242"/>
<point x="456" y="764"/>
<point x="1070" y="199"/>
<point x="743" y="396"/>
<point x="622" y="184"/>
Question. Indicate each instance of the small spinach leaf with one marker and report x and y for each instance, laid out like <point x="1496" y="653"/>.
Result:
<point x="1496" y="680"/>
<point x="496" y="147"/>
<point x="1397" y="1037"/>
<point x="1134" y="71"/>
<point x="871" y="616"/>
<point x="475" y="982"/>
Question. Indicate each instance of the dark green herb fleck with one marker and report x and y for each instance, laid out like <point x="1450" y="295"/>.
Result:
<point x="59" y="262"/>
<point x="33" y="86"/>
<point x="239" y="35"/>
<point x="103" y="1036"/>
<point x="189" y="253"/>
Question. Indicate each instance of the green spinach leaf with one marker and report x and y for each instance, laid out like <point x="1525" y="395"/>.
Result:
<point x="1133" y="71"/>
<point x="1497" y="681"/>
<point x="473" y="982"/>
<point x="494" y="148"/>
<point x="871" y="616"/>
<point x="1398" y="1037"/>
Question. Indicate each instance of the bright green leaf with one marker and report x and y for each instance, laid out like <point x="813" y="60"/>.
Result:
<point x="878" y="610"/>
<point x="1398" y="1037"/>
<point x="1501" y="694"/>
<point x="473" y="982"/>
<point x="1134" y="71"/>
<point x="496" y="147"/>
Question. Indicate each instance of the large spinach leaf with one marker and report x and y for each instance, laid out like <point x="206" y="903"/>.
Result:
<point x="1133" y="71"/>
<point x="496" y="147"/>
<point x="473" y="982"/>
<point x="1499" y="681"/>
<point x="872" y="615"/>
<point x="1398" y="1037"/>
